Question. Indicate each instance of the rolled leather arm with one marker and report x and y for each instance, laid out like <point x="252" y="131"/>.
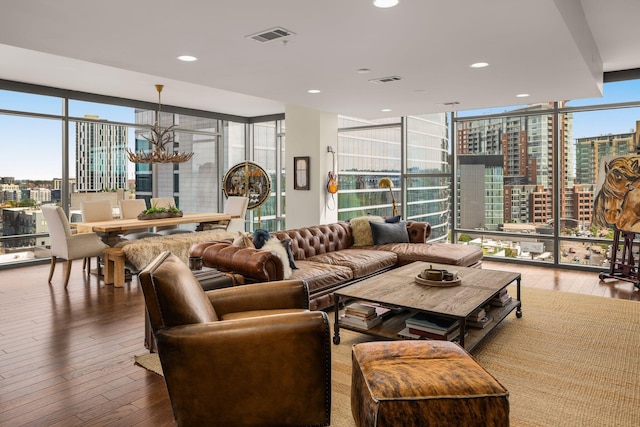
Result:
<point x="260" y="370"/>
<point x="262" y="266"/>
<point x="284" y="294"/>
<point x="197" y="249"/>
<point x="418" y="231"/>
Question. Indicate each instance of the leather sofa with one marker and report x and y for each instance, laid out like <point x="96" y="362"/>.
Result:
<point x="327" y="258"/>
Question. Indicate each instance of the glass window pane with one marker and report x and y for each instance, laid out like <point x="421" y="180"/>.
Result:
<point x="30" y="175"/>
<point x="505" y="179"/>
<point x="428" y="147"/>
<point x="95" y="110"/>
<point x="364" y="157"/>
<point x="614" y="92"/>
<point x="30" y="103"/>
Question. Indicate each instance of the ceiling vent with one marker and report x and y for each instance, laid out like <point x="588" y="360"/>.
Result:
<point x="270" y="35"/>
<point x="385" y="80"/>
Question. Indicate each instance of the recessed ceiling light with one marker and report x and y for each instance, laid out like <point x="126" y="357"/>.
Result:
<point x="363" y="71"/>
<point x="479" y="65"/>
<point x="386" y="110"/>
<point x="385" y="3"/>
<point x="187" y="58"/>
<point x="313" y="91"/>
<point x="522" y="95"/>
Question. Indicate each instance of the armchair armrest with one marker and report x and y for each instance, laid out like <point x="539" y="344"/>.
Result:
<point x="250" y="371"/>
<point x="284" y="294"/>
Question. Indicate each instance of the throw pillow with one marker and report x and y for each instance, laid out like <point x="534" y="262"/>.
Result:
<point x="392" y="219"/>
<point x="260" y="237"/>
<point x="384" y="233"/>
<point x="243" y="240"/>
<point x="361" y="230"/>
<point x="286" y="243"/>
<point x="274" y="245"/>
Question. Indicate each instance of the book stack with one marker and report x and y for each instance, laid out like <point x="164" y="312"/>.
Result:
<point x="427" y="326"/>
<point x="478" y="319"/>
<point x="361" y="315"/>
<point x="501" y="299"/>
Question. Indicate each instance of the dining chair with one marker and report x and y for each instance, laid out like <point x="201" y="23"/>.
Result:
<point x="236" y="207"/>
<point x="96" y="210"/>
<point x="167" y="202"/>
<point x="130" y="208"/>
<point x="66" y="245"/>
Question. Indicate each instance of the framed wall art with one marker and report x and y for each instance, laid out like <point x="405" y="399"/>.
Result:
<point x="301" y="173"/>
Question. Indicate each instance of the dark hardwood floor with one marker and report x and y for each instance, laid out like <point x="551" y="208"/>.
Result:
<point x="66" y="356"/>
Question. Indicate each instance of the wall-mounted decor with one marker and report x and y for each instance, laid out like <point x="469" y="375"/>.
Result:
<point x="250" y="180"/>
<point x="301" y="173"/>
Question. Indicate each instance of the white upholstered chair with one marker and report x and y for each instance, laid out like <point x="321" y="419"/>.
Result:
<point x="236" y="207"/>
<point x="163" y="202"/>
<point x="96" y="210"/>
<point x="66" y="245"/>
<point x="130" y="208"/>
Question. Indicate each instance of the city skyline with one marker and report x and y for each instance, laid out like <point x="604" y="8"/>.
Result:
<point x="41" y="145"/>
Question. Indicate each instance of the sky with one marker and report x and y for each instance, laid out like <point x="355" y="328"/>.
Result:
<point x="31" y="149"/>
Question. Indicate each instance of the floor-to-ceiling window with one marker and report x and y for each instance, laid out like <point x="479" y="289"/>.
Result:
<point x="268" y="151"/>
<point x="413" y="152"/>
<point x="527" y="177"/>
<point x="368" y="150"/>
<point x="31" y="143"/>
<point x="61" y="147"/>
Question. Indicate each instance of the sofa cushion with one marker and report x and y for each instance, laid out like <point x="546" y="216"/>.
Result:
<point x="384" y="233"/>
<point x="440" y="253"/>
<point x="361" y="230"/>
<point x="362" y="262"/>
<point x="321" y="276"/>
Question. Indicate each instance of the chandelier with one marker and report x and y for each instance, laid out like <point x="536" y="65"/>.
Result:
<point x="159" y="139"/>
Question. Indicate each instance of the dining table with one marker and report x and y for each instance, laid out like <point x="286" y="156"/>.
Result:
<point x="110" y="231"/>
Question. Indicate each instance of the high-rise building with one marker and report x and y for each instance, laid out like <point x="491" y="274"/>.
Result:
<point x="590" y="151"/>
<point x="101" y="158"/>
<point x="524" y="140"/>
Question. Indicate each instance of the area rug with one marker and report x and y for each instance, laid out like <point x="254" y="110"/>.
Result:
<point x="571" y="360"/>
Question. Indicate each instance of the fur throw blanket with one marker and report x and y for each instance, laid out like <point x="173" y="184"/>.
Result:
<point x="141" y="252"/>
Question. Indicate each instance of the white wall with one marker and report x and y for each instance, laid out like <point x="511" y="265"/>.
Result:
<point x="309" y="132"/>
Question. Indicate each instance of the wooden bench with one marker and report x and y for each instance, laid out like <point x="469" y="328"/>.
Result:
<point x="114" y="271"/>
<point x="138" y="253"/>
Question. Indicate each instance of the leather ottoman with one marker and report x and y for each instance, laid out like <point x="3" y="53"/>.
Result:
<point x="423" y="383"/>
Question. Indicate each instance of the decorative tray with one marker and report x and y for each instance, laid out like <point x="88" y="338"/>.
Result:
<point x="443" y="283"/>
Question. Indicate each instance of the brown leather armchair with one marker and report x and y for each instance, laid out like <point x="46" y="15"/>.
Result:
<point x="252" y="355"/>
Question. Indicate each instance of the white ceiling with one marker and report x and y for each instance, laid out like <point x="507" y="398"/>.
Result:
<point x="551" y="49"/>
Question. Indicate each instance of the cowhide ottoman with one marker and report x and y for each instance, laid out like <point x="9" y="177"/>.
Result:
<point x="423" y="383"/>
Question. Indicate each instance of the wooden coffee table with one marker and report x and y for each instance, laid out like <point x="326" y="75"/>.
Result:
<point x="397" y="289"/>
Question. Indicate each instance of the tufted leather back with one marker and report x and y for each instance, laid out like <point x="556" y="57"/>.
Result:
<point x="319" y="239"/>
